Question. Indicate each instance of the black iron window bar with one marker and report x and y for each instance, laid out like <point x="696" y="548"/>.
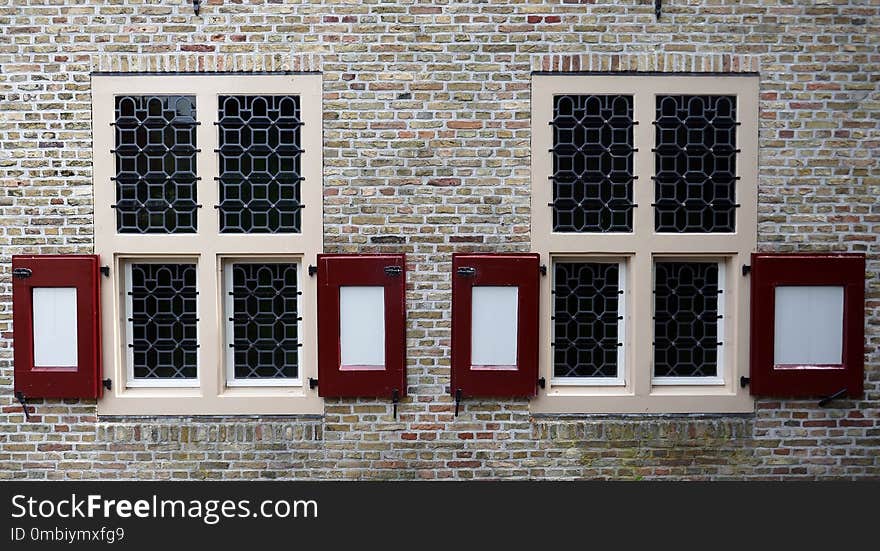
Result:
<point x="265" y="321"/>
<point x="155" y="164"/>
<point x="592" y="155"/>
<point x="163" y="321"/>
<point x="686" y="303"/>
<point x="586" y="315"/>
<point x="695" y="164"/>
<point x="260" y="156"/>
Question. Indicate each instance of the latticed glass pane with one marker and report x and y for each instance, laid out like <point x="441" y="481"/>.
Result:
<point x="163" y="320"/>
<point x="586" y="317"/>
<point x="265" y="321"/>
<point x="260" y="164"/>
<point x="592" y="163"/>
<point x="695" y="164"/>
<point x="155" y="164"/>
<point x="686" y="296"/>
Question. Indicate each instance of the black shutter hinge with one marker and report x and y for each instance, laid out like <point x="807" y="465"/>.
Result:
<point x="20" y="397"/>
<point x="313" y="383"/>
<point x="312" y="270"/>
<point x="22" y="273"/>
<point x="744" y="382"/>
<point x="543" y="269"/>
<point x="108" y="384"/>
<point x="828" y="399"/>
<point x="457" y="400"/>
<point x="393" y="271"/>
<point x="395" y="399"/>
<point x="105" y="271"/>
<point x="466" y="271"/>
<point x="542" y="382"/>
<point x="746" y="269"/>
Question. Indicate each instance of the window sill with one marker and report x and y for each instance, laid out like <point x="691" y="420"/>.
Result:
<point x="660" y="400"/>
<point x="232" y="401"/>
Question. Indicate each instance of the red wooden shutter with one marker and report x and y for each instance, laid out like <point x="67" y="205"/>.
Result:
<point x="770" y="378"/>
<point x="81" y="272"/>
<point x="380" y="270"/>
<point x="495" y="270"/>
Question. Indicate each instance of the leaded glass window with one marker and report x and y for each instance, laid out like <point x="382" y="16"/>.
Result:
<point x="260" y="170"/>
<point x="695" y="164"/>
<point x="155" y="156"/>
<point x="162" y="320"/>
<point x="264" y="321"/>
<point x="592" y="163"/>
<point x="687" y="298"/>
<point x="587" y="319"/>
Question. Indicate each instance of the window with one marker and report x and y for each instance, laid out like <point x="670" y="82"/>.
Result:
<point x="208" y="214"/>
<point x="644" y="208"/>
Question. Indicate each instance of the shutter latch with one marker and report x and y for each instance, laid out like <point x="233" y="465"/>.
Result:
<point x="20" y="397"/>
<point x="457" y="400"/>
<point x="393" y="271"/>
<point x="395" y="399"/>
<point x="466" y="271"/>
<point x="22" y="273"/>
<point x="828" y="399"/>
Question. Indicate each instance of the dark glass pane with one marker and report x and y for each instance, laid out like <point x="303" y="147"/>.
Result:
<point x="592" y="163"/>
<point x="260" y="164"/>
<point x="586" y="313"/>
<point x="266" y="337"/>
<point x="686" y="299"/>
<point x="695" y="164"/>
<point x="163" y="299"/>
<point x="155" y="164"/>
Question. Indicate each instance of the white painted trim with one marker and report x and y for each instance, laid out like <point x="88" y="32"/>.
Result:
<point x="131" y="381"/>
<point x="620" y="379"/>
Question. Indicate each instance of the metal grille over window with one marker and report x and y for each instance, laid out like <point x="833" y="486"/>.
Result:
<point x="265" y="322"/>
<point x="155" y="164"/>
<point x="260" y="164"/>
<point x="592" y="163"/>
<point x="695" y="163"/>
<point x="163" y="321"/>
<point x="686" y="315"/>
<point x="586" y="317"/>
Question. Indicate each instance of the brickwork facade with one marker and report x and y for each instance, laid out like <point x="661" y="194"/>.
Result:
<point x="427" y="152"/>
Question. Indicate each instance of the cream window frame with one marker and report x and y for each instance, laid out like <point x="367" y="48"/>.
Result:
<point x="208" y="248"/>
<point x="642" y="247"/>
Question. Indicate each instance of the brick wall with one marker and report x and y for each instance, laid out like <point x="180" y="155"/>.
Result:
<point x="426" y="146"/>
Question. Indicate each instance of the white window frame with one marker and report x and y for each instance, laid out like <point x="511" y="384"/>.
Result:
<point x="229" y="325"/>
<point x="641" y="392"/>
<point x="208" y="248"/>
<point x="128" y="328"/>
<point x="620" y="380"/>
<point x="722" y="298"/>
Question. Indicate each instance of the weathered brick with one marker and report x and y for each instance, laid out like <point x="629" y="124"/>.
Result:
<point x="426" y="131"/>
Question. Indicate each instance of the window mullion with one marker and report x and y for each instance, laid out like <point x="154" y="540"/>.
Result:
<point x="640" y="306"/>
<point x="211" y="375"/>
<point x="207" y="163"/>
